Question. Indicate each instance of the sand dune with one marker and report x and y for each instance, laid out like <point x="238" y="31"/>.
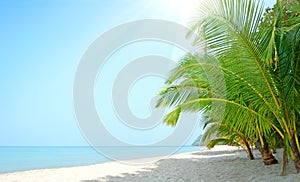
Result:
<point x="222" y="163"/>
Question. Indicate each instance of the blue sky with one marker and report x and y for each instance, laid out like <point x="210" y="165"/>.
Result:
<point x="41" y="44"/>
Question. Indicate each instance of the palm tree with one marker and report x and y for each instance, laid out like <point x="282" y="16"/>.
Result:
<point x="260" y="65"/>
<point x="188" y="89"/>
<point x="216" y="133"/>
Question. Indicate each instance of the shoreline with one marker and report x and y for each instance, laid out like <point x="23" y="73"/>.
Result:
<point x="222" y="163"/>
<point x="18" y="159"/>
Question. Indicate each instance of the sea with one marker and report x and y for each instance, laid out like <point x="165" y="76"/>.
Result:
<point x="13" y="159"/>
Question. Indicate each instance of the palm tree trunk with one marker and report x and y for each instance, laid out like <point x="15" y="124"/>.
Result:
<point x="248" y="150"/>
<point x="284" y="157"/>
<point x="267" y="154"/>
<point x="296" y="153"/>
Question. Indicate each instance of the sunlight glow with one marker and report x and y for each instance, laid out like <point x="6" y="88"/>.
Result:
<point x="186" y="8"/>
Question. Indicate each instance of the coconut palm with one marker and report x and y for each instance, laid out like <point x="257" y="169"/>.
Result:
<point x="218" y="133"/>
<point x="188" y="89"/>
<point x="260" y="65"/>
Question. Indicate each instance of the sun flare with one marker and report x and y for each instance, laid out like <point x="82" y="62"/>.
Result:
<point x="186" y="8"/>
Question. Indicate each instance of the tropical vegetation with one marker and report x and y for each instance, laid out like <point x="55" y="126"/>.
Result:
<point x="245" y="78"/>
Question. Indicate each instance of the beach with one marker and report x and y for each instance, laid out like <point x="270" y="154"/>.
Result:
<point x="222" y="163"/>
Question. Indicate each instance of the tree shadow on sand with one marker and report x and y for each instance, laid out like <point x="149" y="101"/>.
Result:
<point x="197" y="168"/>
<point x="207" y="152"/>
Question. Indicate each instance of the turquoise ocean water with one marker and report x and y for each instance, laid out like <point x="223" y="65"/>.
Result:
<point x="14" y="159"/>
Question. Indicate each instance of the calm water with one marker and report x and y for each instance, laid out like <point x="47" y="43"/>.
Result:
<point x="27" y="158"/>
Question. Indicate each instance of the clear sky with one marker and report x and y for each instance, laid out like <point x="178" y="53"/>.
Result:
<point x="41" y="43"/>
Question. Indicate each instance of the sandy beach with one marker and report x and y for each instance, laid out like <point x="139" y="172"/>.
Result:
<point x="223" y="163"/>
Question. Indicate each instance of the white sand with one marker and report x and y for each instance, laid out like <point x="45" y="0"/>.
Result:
<point x="222" y="163"/>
